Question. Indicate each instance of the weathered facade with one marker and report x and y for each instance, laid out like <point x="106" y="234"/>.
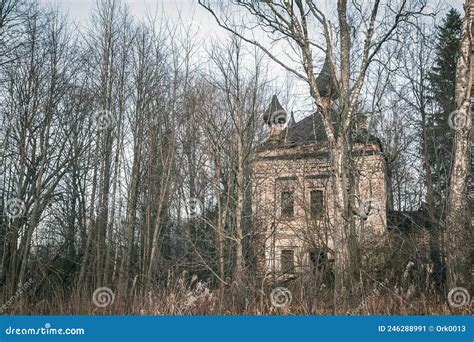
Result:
<point x="292" y="193"/>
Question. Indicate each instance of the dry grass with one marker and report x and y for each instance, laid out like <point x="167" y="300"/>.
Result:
<point x="180" y="297"/>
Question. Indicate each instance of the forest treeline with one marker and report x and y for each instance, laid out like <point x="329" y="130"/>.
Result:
<point x="127" y="145"/>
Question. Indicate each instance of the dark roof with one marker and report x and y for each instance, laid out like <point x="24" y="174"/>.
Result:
<point x="311" y="129"/>
<point x="305" y="131"/>
<point x="275" y="112"/>
<point x="326" y="85"/>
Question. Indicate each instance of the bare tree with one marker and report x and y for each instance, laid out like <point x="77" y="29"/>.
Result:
<point x="458" y="226"/>
<point x="37" y="126"/>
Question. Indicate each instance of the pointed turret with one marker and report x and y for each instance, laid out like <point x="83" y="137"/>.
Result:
<point x="275" y="114"/>
<point x="327" y="86"/>
<point x="275" y="117"/>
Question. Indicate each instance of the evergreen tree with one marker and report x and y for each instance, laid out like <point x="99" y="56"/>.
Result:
<point x="440" y="134"/>
<point x="442" y="80"/>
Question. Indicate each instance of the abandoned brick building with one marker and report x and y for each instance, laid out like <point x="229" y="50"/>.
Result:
<point x="292" y="202"/>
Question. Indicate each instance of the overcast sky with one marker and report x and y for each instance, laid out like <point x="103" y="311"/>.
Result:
<point x="79" y="10"/>
<point x="190" y="13"/>
<point x="189" y="10"/>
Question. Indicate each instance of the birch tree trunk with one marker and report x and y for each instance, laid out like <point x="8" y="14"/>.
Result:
<point x="458" y="230"/>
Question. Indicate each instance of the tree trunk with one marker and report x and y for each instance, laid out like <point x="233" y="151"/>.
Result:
<point x="340" y="220"/>
<point x="458" y="230"/>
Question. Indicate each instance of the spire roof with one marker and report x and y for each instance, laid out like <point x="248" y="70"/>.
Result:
<point x="327" y="86"/>
<point x="275" y="112"/>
